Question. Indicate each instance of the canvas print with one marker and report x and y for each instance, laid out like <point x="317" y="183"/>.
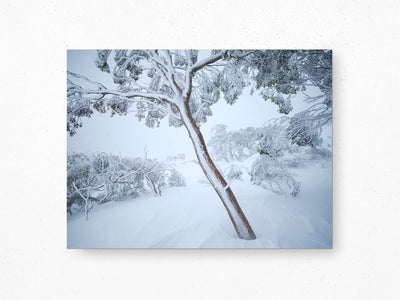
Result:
<point x="199" y="148"/>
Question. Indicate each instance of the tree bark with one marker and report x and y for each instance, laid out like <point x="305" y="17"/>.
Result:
<point x="239" y="220"/>
<point x="156" y="188"/>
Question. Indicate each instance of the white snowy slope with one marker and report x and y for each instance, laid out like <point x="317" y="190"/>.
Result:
<point x="193" y="216"/>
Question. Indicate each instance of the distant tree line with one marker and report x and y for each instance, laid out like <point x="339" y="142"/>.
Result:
<point x="282" y="144"/>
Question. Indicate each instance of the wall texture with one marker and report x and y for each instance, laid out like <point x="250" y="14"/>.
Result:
<point x="34" y="261"/>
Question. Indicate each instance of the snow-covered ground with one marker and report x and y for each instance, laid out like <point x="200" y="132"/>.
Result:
<point x="193" y="216"/>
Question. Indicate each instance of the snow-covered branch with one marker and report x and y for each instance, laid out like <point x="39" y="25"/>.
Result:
<point x="207" y="61"/>
<point x="97" y="178"/>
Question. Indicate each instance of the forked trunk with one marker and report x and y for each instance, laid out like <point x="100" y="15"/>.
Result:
<point x="239" y="220"/>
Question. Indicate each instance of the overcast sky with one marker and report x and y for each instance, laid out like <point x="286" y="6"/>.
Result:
<point x="127" y="136"/>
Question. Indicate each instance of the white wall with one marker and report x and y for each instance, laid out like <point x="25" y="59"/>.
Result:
<point x="364" y="263"/>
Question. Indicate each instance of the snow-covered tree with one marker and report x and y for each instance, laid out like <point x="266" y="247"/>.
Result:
<point x="280" y="74"/>
<point x="269" y="170"/>
<point x="272" y="142"/>
<point x="271" y="174"/>
<point x="87" y="183"/>
<point x="93" y="179"/>
<point x="226" y="145"/>
<point x="178" y="85"/>
<point x="285" y="143"/>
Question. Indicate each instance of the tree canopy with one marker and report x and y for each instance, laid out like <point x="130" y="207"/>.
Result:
<point x="149" y="80"/>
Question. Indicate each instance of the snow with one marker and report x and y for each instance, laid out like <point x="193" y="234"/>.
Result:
<point x="194" y="217"/>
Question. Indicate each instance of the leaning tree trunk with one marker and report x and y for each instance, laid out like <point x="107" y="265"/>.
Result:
<point x="239" y="220"/>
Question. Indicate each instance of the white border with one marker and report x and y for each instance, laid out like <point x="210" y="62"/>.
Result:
<point x="364" y="263"/>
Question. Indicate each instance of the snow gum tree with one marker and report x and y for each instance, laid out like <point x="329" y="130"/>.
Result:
<point x="181" y="86"/>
